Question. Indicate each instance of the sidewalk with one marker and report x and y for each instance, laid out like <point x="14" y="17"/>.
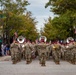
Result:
<point x="5" y="58"/>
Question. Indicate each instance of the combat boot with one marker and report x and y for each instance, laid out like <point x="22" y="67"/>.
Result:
<point x="43" y="65"/>
<point x="27" y="62"/>
<point x="73" y="62"/>
<point x="14" y="62"/>
<point x="57" y="62"/>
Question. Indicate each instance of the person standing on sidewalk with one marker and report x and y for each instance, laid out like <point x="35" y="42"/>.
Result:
<point x="7" y="49"/>
<point x="3" y="48"/>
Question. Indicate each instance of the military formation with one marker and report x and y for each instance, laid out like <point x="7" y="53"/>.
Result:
<point x="43" y="51"/>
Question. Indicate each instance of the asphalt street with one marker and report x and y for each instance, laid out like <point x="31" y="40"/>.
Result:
<point x="21" y="68"/>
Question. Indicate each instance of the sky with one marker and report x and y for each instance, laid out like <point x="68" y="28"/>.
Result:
<point x="37" y="7"/>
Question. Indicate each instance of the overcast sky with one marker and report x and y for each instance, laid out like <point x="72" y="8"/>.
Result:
<point x="37" y="7"/>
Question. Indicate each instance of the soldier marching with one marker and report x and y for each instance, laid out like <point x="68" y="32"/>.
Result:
<point x="20" y="49"/>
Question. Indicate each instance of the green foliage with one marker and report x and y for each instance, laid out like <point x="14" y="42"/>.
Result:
<point x="65" y="22"/>
<point x="15" y="19"/>
<point x="14" y="6"/>
<point x="29" y="29"/>
<point x="49" y="30"/>
<point x="61" y="6"/>
<point x="14" y="23"/>
<point x="23" y="24"/>
<point x="60" y="27"/>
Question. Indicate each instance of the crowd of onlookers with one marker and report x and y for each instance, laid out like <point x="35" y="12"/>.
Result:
<point x="4" y="49"/>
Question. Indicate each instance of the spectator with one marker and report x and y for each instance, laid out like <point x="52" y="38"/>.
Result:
<point x="7" y="49"/>
<point x="3" y="48"/>
<point x="0" y="50"/>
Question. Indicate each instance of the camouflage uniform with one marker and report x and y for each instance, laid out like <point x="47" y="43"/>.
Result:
<point x="15" y="53"/>
<point x="70" y="54"/>
<point x="49" y="51"/>
<point x="73" y="55"/>
<point x="67" y="54"/>
<point x="62" y="51"/>
<point x="41" y="48"/>
<point x="28" y="53"/>
<point x="56" y="53"/>
<point x="43" y="59"/>
<point x="23" y="51"/>
<point x="33" y="51"/>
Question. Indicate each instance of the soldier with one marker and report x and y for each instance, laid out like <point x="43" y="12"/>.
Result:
<point x="69" y="50"/>
<point x="74" y="51"/>
<point x="56" y="52"/>
<point x="73" y="55"/>
<point x="36" y="50"/>
<point x="43" y="59"/>
<point x="69" y="53"/>
<point x="33" y="50"/>
<point x="49" y="51"/>
<point x="22" y="41"/>
<point x="15" y="52"/>
<point x="28" y="53"/>
<point x="63" y="50"/>
<point x="42" y="48"/>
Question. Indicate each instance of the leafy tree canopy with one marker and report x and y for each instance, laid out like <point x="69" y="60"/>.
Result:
<point x="14" y="6"/>
<point x="61" y="6"/>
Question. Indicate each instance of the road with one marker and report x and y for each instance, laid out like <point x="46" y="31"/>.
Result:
<point x="21" y="68"/>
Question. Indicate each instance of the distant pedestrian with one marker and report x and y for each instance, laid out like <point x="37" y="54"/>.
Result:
<point x="3" y="48"/>
<point x="7" y="49"/>
<point x="0" y="50"/>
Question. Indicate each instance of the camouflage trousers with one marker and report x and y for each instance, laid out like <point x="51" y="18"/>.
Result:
<point x="70" y="56"/>
<point x="56" y="56"/>
<point x="73" y="58"/>
<point x="28" y="59"/>
<point x="43" y="60"/>
<point x="16" y="57"/>
<point x="67" y="55"/>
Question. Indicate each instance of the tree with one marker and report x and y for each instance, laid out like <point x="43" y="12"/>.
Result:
<point x="66" y="20"/>
<point x="23" y="24"/>
<point x="14" y="23"/>
<point x="29" y="29"/>
<point x="49" y="30"/>
<point x="13" y="9"/>
<point x="14" y="6"/>
<point x="61" y="6"/>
